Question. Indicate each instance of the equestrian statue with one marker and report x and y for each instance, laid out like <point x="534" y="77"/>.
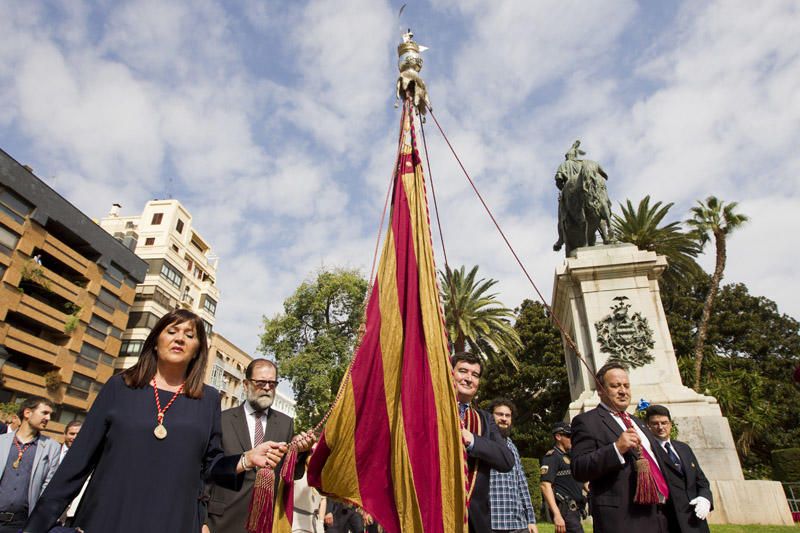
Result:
<point x="583" y="205"/>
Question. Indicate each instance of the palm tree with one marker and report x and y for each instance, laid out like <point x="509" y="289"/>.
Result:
<point x="640" y="226"/>
<point x="717" y="219"/>
<point x="476" y="319"/>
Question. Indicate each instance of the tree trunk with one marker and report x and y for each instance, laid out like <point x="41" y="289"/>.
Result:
<point x="702" y="329"/>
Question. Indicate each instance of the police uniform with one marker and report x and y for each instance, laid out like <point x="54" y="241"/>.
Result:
<point x="568" y="492"/>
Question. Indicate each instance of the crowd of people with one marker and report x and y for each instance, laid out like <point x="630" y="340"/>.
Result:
<point x="155" y="453"/>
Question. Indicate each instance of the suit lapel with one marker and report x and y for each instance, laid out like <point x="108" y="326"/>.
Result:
<point x="686" y="460"/>
<point x="241" y="429"/>
<point x="5" y="448"/>
<point x="274" y="432"/>
<point x="608" y="420"/>
<point x="40" y="450"/>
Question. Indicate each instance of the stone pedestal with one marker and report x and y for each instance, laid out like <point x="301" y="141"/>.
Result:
<point x="587" y="286"/>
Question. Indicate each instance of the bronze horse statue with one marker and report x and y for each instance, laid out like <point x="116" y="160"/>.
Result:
<point x="583" y="205"/>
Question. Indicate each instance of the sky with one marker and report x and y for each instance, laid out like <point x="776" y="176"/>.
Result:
<point x="274" y="123"/>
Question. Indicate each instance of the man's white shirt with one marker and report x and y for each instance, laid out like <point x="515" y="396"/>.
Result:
<point x="642" y="436"/>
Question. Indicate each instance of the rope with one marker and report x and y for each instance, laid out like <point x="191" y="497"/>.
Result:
<point x="362" y="327"/>
<point x="433" y="193"/>
<point x="554" y="318"/>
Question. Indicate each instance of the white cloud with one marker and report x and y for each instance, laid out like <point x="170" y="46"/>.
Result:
<point x="282" y="152"/>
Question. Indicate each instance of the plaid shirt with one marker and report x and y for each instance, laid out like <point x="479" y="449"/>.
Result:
<point x="510" y="498"/>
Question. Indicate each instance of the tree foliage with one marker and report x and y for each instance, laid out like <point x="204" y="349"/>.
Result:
<point x="749" y="355"/>
<point x="539" y="388"/>
<point x="640" y="226"/>
<point x="475" y="318"/>
<point x="314" y="338"/>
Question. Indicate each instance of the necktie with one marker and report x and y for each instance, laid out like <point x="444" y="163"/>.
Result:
<point x="661" y="483"/>
<point x="258" y="437"/>
<point x="673" y="456"/>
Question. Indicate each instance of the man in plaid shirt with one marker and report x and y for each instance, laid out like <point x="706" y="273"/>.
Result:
<point x="508" y="492"/>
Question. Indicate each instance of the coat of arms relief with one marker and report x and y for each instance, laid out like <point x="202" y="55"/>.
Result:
<point x="625" y="336"/>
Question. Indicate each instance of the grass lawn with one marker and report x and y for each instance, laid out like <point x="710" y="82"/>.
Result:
<point x="548" y="528"/>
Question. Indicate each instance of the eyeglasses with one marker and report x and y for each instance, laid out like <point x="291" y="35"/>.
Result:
<point x="264" y="384"/>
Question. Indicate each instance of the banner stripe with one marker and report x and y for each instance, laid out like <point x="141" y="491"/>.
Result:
<point x="418" y="400"/>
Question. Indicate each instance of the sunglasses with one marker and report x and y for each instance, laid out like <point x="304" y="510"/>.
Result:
<point x="264" y="384"/>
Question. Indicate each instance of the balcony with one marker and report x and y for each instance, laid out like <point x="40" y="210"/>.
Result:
<point x="24" y="381"/>
<point x="42" y="312"/>
<point x="233" y="371"/>
<point x="64" y="253"/>
<point x="23" y="342"/>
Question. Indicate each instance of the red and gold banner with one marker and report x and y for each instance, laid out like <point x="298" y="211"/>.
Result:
<point x="393" y="442"/>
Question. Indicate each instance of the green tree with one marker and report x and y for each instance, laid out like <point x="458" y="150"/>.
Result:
<point x="475" y="318"/>
<point x="539" y="387"/>
<point x="714" y="219"/>
<point x="752" y="351"/>
<point x="640" y="226"/>
<point x="314" y="338"/>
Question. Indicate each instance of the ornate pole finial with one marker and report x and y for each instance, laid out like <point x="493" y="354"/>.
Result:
<point x="410" y="84"/>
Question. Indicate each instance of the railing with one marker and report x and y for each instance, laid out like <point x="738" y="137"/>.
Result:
<point x="792" y="491"/>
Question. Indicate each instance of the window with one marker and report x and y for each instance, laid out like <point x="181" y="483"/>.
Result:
<point x="130" y="348"/>
<point x="2" y="270"/>
<point x="157" y="218"/>
<point x="176" y="249"/>
<point x="179" y="226"/>
<point x="209" y="327"/>
<point x="210" y="305"/>
<point x="150" y="241"/>
<point x="80" y="386"/>
<point x="113" y="275"/>
<point x="8" y="240"/>
<point x="14" y="206"/>
<point x="67" y="415"/>
<point x="106" y="300"/>
<point x="99" y="328"/>
<point x="107" y="359"/>
<point x="142" y="320"/>
<point x="171" y="274"/>
<point x="89" y="356"/>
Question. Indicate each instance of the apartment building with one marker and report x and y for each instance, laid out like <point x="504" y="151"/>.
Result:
<point x="182" y="269"/>
<point x="226" y="369"/>
<point x="66" y="288"/>
<point x="182" y="272"/>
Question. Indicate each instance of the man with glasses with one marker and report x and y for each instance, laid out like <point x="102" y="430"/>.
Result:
<point x="243" y="428"/>
<point x="689" y="488"/>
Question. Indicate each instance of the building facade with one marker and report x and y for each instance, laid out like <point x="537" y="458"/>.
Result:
<point x="66" y="288"/>
<point x="181" y="271"/>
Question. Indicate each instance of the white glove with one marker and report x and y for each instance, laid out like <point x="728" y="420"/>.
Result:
<point x="701" y="507"/>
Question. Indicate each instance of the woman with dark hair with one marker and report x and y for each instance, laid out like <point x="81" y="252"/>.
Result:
<point x="150" y="440"/>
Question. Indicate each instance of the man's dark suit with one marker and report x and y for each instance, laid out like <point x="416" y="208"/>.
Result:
<point x="613" y="484"/>
<point x="684" y="486"/>
<point x="227" y="510"/>
<point x="491" y="452"/>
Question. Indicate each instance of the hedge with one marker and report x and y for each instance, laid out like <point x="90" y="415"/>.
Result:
<point x="531" y="468"/>
<point x="786" y="464"/>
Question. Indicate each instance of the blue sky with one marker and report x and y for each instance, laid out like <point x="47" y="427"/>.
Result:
<point x="273" y="122"/>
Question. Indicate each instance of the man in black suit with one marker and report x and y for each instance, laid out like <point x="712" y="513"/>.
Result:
<point x="605" y="445"/>
<point x="243" y="427"/>
<point x="689" y="489"/>
<point x="486" y="447"/>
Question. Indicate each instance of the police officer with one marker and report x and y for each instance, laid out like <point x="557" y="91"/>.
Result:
<point x="564" y="495"/>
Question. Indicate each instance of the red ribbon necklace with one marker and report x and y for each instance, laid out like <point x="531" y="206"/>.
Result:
<point x="21" y="451"/>
<point x="160" y="431"/>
